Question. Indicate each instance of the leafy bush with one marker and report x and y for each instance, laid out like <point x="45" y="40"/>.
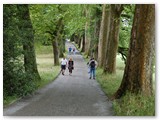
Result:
<point x="16" y="81"/>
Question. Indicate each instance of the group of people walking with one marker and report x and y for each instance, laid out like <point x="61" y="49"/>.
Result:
<point x="92" y="64"/>
<point x="65" y="63"/>
<point x="72" y="50"/>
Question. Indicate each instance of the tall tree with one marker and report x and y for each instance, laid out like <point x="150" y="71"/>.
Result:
<point x="82" y="46"/>
<point x="110" y="66"/>
<point x="60" y="32"/>
<point x="27" y="37"/>
<point x="138" y="70"/>
<point x="16" y="81"/>
<point x="87" y="30"/>
<point x="103" y="35"/>
<point x="54" y="27"/>
<point x="55" y="38"/>
<point x="95" y="29"/>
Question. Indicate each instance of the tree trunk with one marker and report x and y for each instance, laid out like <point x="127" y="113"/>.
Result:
<point x="55" y="52"/>
<point x="103" y="35"/>
<point x="59" y="36"/>
<point x="61" y="46"/>
<point x="113" y="39"/>
<point x="82" y="48"/>
<point x="138" y="71"/>
<point x="79" y="41"/>
<point x="87" y="32"/>
<point x="28" y="41"/>
<point x="96" y="23"/>
<point x="76" y="39"/>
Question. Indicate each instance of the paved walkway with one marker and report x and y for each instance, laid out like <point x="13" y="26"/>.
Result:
<point x="75" y="95"/>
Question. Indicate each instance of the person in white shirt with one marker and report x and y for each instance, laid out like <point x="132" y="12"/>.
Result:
<point x="63" y="65"/>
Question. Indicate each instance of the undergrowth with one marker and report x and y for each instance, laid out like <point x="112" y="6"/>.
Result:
<point x="130" y="104"/>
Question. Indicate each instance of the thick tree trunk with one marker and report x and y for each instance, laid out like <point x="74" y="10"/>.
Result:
<point x="138" y="71"/>
<point x="113" y="39"/>
<point x="28" y="41"/>
<point x="55" y="52"/>
<point x="97" y="23"/>
<point x="103" y="35"/>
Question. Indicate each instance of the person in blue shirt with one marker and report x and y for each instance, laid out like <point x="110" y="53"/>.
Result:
<point x="70" y="50"/>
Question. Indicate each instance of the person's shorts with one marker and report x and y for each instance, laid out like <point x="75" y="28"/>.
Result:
<point x="63" y="67"/>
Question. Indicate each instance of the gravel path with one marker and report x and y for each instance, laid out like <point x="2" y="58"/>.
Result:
<point x="75" y="95"/>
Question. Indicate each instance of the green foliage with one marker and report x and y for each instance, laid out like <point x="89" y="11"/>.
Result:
<point x="126" y="25"/>
<point x="74" y="19"/>
<point x="44" y="18"/>
<point x="9" y="100"/>
<point x="16" y="82"/>
<point x="38" y="22"/>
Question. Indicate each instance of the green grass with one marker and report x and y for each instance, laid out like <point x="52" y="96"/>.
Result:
<point x="46" y="68"/>
<point x="9" y="100"/>
<point x="109" y="82"/>
<point x="130" y="104"/>
<point x="43" y="49"/>
<point x="135" y="105"/>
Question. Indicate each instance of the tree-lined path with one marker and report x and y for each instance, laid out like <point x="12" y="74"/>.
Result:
<point x="75" y="95"/>
<point x="120" y="37"/>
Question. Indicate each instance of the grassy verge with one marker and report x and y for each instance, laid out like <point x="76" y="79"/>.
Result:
<point x="109" y="82"/>
<point x="135" y="105"/>
<point x="47" y="70"/>
<point x="45" y="64"/>
<point x="9" y="100"/>
<point x="130" y="104"/>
